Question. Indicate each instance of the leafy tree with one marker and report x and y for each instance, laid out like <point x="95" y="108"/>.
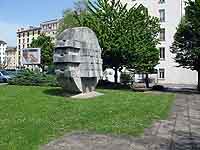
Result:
<point x="187" y="39"/>
<point x="128" y="37"/>
<point x="69" y="20"/>
<point x="146" y="60"/>
<point x="80" y="6"/>
<point x="47" y="46"/>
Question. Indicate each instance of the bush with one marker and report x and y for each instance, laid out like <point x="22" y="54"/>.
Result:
<point x="31" y="78"/>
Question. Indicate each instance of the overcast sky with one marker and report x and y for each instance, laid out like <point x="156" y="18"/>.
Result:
<point x="22" y="13"/>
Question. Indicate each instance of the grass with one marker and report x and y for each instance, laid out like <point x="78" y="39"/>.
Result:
<point x="31" y="116"/>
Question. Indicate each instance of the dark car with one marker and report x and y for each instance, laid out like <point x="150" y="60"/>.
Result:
<point x="4" y="76"/>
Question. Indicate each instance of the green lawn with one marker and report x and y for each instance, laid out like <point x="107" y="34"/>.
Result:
<point x="31" y="116"/>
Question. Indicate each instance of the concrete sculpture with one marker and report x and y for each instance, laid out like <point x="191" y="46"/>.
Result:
<point x="77" y="58"/>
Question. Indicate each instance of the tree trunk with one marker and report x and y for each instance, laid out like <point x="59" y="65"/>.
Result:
<point x="116" y="75"/>
<point x="198" y="87"/>
<point x="147" y="80"/>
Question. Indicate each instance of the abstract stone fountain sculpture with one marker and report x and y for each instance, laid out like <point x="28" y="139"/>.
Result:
<point x="77" y="58"/>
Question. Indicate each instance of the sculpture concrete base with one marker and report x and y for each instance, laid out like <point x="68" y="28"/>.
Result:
<point x="87" y="95"/>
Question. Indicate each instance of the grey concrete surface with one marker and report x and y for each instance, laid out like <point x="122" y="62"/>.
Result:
<point x="87" y="95"/>
<point x="3" y="84"/>
<point x="181" y="131"/>
<point x="77" y="58"/>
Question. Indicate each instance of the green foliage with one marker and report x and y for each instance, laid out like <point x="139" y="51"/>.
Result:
<point x="128" y="37"/>
<point x="33" y="116"/>
<point x="187" y="39"/>
<point x="80" y="6"/>
<point x="47" y="46"/>
<point x="145" y="61"/>
<point x="31" y="78"/>
<point x="69" y="19"/>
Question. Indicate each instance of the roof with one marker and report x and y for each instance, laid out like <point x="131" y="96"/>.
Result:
<point x="11" y="49"/>
<point x="50" y="21"/>
<point x="2" y="42"/>
<point x="31" y="28"/>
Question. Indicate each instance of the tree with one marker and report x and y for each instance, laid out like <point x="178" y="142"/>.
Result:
<point x="186" y="46"/>
<point x="146" y="60"/>
<point x="80" y="6"/>
<point x="145" y="35"/>
<point x="69" y="20"/>
<point x="47" y="46"/>
<point x="128" y="37"/>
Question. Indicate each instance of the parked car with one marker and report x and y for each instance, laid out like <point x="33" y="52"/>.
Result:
<point x="4" y="76"/>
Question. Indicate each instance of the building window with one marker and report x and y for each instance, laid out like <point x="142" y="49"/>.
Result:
<point x="27" y="33"/>
<point x="162" y="34"/>
<point x="23" y="40"/>
<point x="161" y="73"/>
<point x="162" y="15"/>
<point x="19" y="46"/>
<point x="33" y="33"/>
<point x="38" y="32"/>
<point x="19" y="40"/>
<point x="27" y="40"/>
<point x="162" y="53"/>
<point x="23" y="34"/>
<point x="161" y="1"/>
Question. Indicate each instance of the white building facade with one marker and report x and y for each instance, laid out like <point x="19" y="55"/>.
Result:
<point x="26" y="35"/>
<point x="12" y="58"/>
<point x="3" y="47"/>
<point x="50" y="28"/>
<point x="24" y="39"/>
<point x="170" y="13"/>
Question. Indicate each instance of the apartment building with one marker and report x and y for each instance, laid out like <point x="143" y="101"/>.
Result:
<point x="3" y="46"/>
<point x="170" y="13"/>
<point x="49" y="28"/>
<point x="12" y="58"/>
<point x="25" y="37"/>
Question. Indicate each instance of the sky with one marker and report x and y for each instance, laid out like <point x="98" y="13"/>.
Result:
<point x="23" y="13"/>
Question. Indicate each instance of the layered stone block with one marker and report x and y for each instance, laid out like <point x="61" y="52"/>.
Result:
<point x="77" y="58"/>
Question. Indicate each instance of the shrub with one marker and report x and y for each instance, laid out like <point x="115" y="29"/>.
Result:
<point x="31" y="78"/>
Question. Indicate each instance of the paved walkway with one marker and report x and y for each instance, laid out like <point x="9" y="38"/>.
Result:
<point x="180" y="132"/>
